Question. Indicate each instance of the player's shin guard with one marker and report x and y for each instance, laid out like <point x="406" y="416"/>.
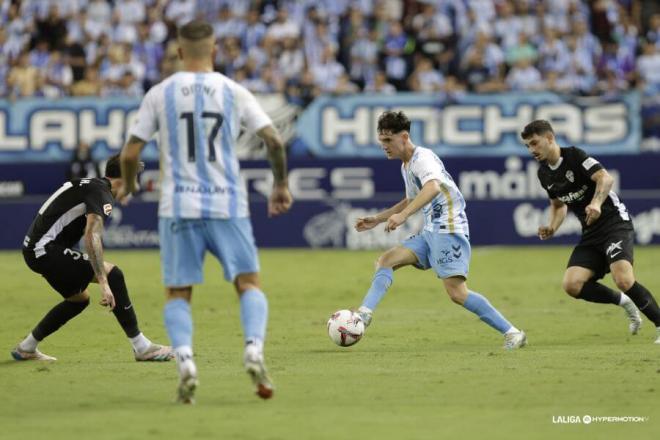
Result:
<point x="57" y="317"/>
<point x="645" y="302"/>
<point x="123" y="310"/>
<point x="381" y="282"/>
<point x="479" y="305"/>
<point x="178" y="322"/>
<point x="254" y="315"/>
<point x="596" y="292"/>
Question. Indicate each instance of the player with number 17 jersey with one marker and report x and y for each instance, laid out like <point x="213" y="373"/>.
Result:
<point x="200" y="169"/>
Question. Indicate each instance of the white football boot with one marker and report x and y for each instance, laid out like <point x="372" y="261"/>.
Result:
<point x="365" y="315"/>
<point x="253" y="360"/>
<point x="515" y="340"/>
<point x="635" y="318"/>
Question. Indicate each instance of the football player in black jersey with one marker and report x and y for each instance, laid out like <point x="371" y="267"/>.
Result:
<point x="576" y="181"/>
<point x="77" y="210"/>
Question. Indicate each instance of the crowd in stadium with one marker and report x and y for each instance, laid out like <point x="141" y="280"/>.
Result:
<point x="304" y="48"/>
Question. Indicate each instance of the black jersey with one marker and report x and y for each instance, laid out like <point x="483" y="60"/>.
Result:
<point x="570" y="182"/>
<point x="62" y="218"/>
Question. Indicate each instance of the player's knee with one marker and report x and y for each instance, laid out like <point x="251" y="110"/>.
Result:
<point x="457" y="296"/>
<point x="572" y="286"/>
<point x="385" y="261"/>
<point x="80" y="301"/>
<point x="624" y="281"/>
<point x="245" y="283"/>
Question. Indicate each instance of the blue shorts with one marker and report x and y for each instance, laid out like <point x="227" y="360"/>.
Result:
<point x="184" y="242"/>
<point x="447" y="254"/>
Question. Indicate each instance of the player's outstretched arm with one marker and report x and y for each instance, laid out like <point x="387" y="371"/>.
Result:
<point x="94" y="247"/>
<point x="558" y="212"/>
<point x="366" y="223"/>
<point x="280" y="199"/>
<point x="604" y="182"/>
<point x="130" y="165"/>
<point x="428" y="192"/>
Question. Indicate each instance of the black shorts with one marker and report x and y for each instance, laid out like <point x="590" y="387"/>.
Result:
<point x="67" y="270"/>
<point x="614" y="245"/>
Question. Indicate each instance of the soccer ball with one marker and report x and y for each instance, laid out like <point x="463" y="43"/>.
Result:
<point x="345" y="328"/>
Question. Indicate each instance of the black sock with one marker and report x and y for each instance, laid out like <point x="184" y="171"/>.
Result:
<point x="595" y="292"/>
<point x="645" y="302"/>
<point x="57" y="317"/>
<point x="123" y="308"/>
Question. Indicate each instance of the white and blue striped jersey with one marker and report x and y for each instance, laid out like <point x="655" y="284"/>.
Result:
<point x="446" y="212"/>
<point x="198" y="117"/>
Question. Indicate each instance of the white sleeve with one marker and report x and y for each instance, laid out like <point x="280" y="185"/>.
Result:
<point x="426" y="167"/>
<point x="252" y="115"/>
<point x="147" y="120"/>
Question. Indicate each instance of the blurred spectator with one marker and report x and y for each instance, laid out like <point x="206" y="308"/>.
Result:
<point x="522" y="50"/>
<point x="254" y="30"/>
<point x="524" y="76"/>
<point x="648" y="66"/>
<point x="23" y="78"/>
<point x="553" y="54"/>
<point x="180" y="11"/>
<point x="82" y="165"/>
<point x="52" y="28"/>
<point x="328" y="71"/>
<point x="616" y="63"/>
<point x="228" y="26"/>
<point x="425" y="78"/>
<point x="149" y="54"/>
<point x="292" y="60"/>
<point x="99" y="12"/>
<point x="653" y="34"/>
<point x="283" y="27"/>
<point x="90" y="85"/>
<point x="394" y="46"/>
<point x="379" y="84"/>
<point x="508" y="27"/>
<point x="58" y="76"/>
<point x="40" y="55"/>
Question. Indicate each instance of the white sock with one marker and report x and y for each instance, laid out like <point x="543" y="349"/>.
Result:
<point x="513" y="329"/>
<point x="140" y="343"/>
<point x="257" y="343"/>
<point x="29" y="343"/>
<point x="184" y="360"/>
<point x="625" y="299"/>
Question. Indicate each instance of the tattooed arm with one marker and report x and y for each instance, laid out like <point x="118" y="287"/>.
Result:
<point x="280" y="199"/>
<point x="604" y="184"/>
<point x="94" y="247"/>
<point x="130" y="164"/>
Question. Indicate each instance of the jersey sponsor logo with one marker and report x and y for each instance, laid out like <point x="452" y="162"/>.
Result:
<point x="107" y="209"/>
<point x="589" y="162"/>
<point x="574" y="196"/>
<point x="570" y="176"/>
<point x="614" y="247"/>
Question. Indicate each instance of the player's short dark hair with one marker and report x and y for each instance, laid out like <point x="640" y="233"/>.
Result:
<point x="394" y="122"/>
<point x="113" y="167"/>
<point x="196" y="30"/>
<point x="538" y="127"/>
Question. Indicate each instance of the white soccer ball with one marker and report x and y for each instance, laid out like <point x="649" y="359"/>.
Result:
<point x="345" y="328"/>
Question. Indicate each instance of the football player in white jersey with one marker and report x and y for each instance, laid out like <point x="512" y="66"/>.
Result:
<point x="443" y="244"/>
<point x="197" y="114"/>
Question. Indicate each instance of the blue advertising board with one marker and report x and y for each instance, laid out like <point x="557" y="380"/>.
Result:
<point x="471" y="124"/>
<point x="33" y="130"/>
<point x="505" y="203"/>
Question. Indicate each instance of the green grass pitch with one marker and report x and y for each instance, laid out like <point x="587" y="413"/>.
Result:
<point x="426" y="369"/>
